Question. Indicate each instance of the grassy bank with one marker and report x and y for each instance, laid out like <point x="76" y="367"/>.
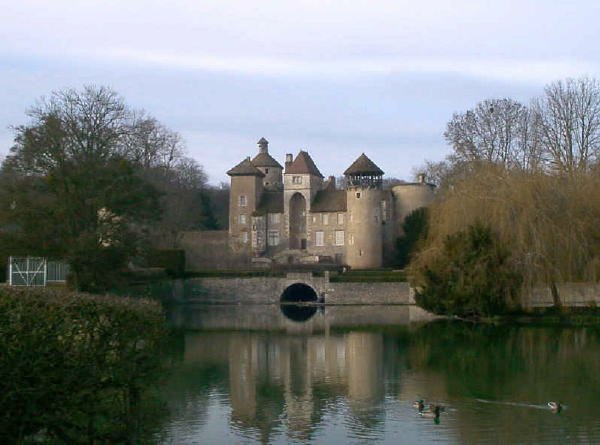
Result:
<point x="369" y="276"/>
<point x="351" y="276"/>
<point x="75" y="368"/>
<point x="547" y="316"/>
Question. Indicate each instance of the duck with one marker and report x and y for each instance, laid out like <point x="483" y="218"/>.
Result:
<point x="432" y="413"/>
<point x="418" y="404"/>
<point x="555" y="406"/>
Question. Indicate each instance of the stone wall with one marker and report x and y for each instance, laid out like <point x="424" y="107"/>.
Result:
<point x="210" y="249"/>
<point x="570" y="294"/>
<point x="368" y="293"/>
<point x="265" y="290"/>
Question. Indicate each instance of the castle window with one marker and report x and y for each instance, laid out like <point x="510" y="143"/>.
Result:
<point x="358" y="194"/>
<point x="339" y="237"/>
<point x="319" y="238"/>
<point x="340" y="218"/>
<point x="325" y="218"/>
<point x="351" y="239"/>
<point x="314" y="218"/>
<point x="296" y="179"/>
<point x="243" y="201"/>
<point x="266" y="171"/>
<point x="274" y="218"/>
<point x="242" y="219"/>
<point x="244" y="237"/>
<point x="273" y="239"/>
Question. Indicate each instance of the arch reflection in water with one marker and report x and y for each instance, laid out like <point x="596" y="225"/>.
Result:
<point x="298" y="313"/>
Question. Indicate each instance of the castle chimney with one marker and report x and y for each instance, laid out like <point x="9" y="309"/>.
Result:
<point x="331" y="180"/>
<point x="263" y="145"/>
<point x="421" y="177"/>
<point x="288" y="160"/>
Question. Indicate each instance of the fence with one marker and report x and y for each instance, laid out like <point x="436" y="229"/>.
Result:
<point x="36" y="271"/>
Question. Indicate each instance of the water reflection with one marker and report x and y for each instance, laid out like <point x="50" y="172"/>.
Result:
<point x="299" y="313"/>
<point x="350" y="385"/>
<point x="287" y="317"/>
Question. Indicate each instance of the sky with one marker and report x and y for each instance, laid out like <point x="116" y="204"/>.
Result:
<point x="336" y="78"/>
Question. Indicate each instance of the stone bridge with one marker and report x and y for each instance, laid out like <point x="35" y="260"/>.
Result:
<point x="294" y="287"/>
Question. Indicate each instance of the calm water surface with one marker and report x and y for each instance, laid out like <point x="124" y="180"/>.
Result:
<point x="350" y="375"/>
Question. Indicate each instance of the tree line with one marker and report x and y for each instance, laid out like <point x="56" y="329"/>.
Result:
<point x="518" y="201"/>
<point x="92" y="181"/>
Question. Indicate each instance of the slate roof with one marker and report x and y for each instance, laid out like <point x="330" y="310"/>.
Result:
<point x="265" y="160"/>
<point x="303" y="165"/>
<point x="270" y="202"/>
<point x="245" y="168"/>
<point x="363" y="166"/>
<point x="329" y="201"/>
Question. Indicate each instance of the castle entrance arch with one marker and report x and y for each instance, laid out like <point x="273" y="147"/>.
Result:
<point x="297" y="222"/>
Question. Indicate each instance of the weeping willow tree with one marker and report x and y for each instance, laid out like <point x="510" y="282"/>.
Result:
<point x="547" y="223"/>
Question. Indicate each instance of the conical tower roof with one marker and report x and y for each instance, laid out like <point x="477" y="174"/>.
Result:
<point x="245" y="168"/>
<point x="264" y="159"/>
<point x="303" y="165"/>
<point x="363" y="166"/>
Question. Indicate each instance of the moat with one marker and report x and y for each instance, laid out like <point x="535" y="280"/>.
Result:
<point x="253" y="374"/>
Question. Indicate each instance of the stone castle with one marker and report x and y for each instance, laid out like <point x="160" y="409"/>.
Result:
<point x="292" y="214"/>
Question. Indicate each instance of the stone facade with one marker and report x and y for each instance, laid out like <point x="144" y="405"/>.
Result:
<point x="295" y="215"/>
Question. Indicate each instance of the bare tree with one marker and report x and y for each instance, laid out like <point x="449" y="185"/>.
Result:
<point x="568" y="118"/>
<point x="496" y="131"/>
<point x="150" y="144"/>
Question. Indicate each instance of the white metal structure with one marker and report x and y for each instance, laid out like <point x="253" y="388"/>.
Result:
<point x="35" y="271"/>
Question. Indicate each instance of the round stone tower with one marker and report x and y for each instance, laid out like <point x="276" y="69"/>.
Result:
<point x="409" y="197"/>
<point x="364" y="249"/>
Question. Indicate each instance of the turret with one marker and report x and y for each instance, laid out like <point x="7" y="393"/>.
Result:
<point x="268" y="166"/>
<point x="246" y="189"/>
<point x="365" y="219"/>
<point x="409" y="197"/>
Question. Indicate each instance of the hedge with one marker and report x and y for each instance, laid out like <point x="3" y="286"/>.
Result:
<point x="172" y="260"/>
<point x="74" y="367"/>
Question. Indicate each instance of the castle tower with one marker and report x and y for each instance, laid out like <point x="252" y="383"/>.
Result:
<point x="246" y="189"/>
<point x="409" y="197"/>
<point x="268" y="166"/>
<point x="302" y="181"/>
<point x="364" y="219"/>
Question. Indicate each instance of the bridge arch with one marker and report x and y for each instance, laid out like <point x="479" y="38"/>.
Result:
<point x="299" y="293"/>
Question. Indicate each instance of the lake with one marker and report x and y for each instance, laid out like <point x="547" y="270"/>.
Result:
<point x="337" y="375"/>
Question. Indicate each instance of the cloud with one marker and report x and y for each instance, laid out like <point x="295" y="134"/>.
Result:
<point x="514" y="70"/>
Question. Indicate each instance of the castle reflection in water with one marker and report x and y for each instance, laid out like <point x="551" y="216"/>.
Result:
<point x="337" y="379"/>
<point x="288" y="370"/>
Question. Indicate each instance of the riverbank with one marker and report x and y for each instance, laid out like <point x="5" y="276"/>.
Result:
<point x="543" y="316"/>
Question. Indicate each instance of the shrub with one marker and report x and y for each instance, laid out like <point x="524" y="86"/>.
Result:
<point x="74" y="367"/>
<point x="470" y="276"/>
<point x="172" y="260"/>
<point x="415" y="229"/>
